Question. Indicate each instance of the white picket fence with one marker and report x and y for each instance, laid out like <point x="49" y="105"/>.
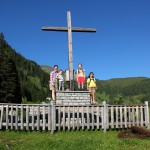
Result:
<point x="63" y="117"/>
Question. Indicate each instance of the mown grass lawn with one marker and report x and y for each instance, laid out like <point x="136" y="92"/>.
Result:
<point x="69" y="140"/>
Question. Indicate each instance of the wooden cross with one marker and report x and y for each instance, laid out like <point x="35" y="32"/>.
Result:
<point x="69" y="29"/>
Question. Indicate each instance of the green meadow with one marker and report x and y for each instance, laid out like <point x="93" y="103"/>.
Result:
<point x="69" y="140"/>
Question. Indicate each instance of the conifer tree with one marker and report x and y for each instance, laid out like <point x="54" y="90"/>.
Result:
<point x="10" y="90"/>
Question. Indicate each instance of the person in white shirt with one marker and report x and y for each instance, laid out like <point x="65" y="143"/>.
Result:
<point x="61" y="80"/>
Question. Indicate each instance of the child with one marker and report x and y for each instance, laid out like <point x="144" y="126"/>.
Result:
<point x="91" y="86"/>
<point x="57" y="81"/>
<point x="61" y="80"/>
<point x="80" y="76"/>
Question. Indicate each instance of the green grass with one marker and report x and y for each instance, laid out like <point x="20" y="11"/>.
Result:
<point x="69" y="140"/>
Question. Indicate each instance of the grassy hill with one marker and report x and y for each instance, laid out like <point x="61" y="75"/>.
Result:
<point x="123" y="82"/>
<point x="47" y="69"/>
<point x="124" y="90"/>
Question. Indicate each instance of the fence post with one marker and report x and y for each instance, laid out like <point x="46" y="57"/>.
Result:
<point x="52" y="116"/>
<point x="1" y="117"/>
<point x="104" y="116"/>
<point x="147" y="115"/>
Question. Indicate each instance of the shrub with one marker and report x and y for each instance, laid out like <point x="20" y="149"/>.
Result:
<point x="135" y="132"/>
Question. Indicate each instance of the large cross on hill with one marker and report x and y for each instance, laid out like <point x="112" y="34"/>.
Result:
<point x="69" y="29"/>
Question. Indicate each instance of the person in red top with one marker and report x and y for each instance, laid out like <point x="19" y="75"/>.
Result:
<point x="80" y="75"/>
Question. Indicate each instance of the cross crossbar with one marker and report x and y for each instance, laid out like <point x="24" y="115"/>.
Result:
<point x="73" y="29"/>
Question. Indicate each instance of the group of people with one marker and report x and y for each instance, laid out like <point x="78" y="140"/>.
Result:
<point x="57" y="81"/>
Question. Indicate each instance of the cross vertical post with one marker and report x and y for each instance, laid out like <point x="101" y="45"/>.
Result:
<point x="71" y="74"/>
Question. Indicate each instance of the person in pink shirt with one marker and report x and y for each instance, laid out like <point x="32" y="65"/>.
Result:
<point x="52" y="82"/>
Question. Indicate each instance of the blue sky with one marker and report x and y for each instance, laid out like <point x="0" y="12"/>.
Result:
<point x="120" y="47"/>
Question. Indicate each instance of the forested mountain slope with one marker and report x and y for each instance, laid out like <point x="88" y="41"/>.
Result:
<point x="30" y="81"/>
<point x="124" y="90"/>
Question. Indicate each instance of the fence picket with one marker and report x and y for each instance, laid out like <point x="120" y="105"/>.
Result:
<point x="78" y="121"/>
<point x="21" y="117"/>
<point x="49" y="118"/>
<point x="107" y="117"/>
<point x="68" y="118"/>
<point x="11" y="117"/>
<point x="112" y="116"/>
<point x="38" y="117"/>
<point x="141" y="112"/>
<point x="6" y="117"/>
<point x="73" y="122"/>
<point x="53" y="117"/>
<point x="97" y="117"/>
<point x="137" y="116"/>
<point x="1" y="118"/>
<point x="93" y="121"/>
<point x="44" y="122"/>
<point x="27" y="117"/>
<point x="133" y="116"/>
<point x="32" y="113"/>
<point x="125" y="117"/>
<point x="64" y="118"/>
<point x="88" y="118"/>
<point x="116" y="116"/>
<point x="59" y="118"/>
<point x="129" y="117"/>
<point x="121" y="124"/>
<point x="104" y="116"/>
<point x="16" y="118"/>
<point x="83" y="122"/>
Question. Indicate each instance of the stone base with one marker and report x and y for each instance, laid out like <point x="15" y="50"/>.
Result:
<point x="72" y="98"/>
